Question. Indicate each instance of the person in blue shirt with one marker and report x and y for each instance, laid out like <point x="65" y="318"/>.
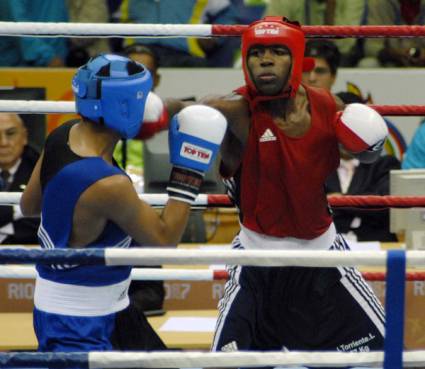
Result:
<point x="33" y="51"/>
<point x="87" y="201"/>
<point x="183" y="51"/>
<point x="414" y="158"/>
<point x="9" y="46"/>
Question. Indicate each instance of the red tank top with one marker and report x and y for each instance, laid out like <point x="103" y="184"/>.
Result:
<point x="282" y="178"/>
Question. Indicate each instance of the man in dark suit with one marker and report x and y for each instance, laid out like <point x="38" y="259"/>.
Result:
<point x="352" y="177"/>
<point x="355" y="178"/>
<point x="17" y="160"/>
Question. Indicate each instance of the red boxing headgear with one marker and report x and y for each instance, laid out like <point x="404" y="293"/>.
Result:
<point x="277" y="31"/>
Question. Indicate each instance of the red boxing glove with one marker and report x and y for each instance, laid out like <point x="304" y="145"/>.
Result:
<point x="155" y="118"/>
<point x="360" y="128"/>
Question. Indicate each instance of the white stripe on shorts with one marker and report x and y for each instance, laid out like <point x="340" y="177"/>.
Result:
<point x="362" y="293"/>
<point x="231" y="290"/>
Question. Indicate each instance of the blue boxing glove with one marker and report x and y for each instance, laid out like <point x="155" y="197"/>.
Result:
<point x="195" y="135"/>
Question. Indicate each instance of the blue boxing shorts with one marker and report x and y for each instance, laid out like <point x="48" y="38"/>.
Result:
<point x="62" y="333"/>
<point x="297" y="308"/>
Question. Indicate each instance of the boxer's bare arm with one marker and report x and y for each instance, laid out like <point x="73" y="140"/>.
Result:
<point x="236" y="110"/>
<point x="233" y="107"/>
<point x="115" y="199"/>
<point x="31" y="198"/>
<point x="173" y="106"/>
<point x="339" y="103"/>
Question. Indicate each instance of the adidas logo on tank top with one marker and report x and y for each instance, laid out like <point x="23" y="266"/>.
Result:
<point x="267" y="136"/>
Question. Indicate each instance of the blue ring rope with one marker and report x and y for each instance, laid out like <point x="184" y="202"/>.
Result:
<point x="53" y="256"/>
<point x="394" y="307"/>
<point x="41" y="359"/>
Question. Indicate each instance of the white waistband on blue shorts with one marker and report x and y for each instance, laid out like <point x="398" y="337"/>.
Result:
<point x="70" y="299"/>
<point x="253" y="240"/>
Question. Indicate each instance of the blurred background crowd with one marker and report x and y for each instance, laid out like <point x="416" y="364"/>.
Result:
<point x="218" y="52"/>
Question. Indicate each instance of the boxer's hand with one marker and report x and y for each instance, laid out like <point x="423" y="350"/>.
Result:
<point x="195" y="135"/>
<point x="360" y="128"/>
<point x="298" y="110"/>
<point x="155" y="117"/>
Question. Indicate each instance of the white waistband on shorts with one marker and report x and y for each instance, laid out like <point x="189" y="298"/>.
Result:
<point x="70" y="299"/>
<point x="253" y="240"/>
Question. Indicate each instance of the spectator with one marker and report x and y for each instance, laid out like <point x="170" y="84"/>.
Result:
<point x="10" y="55"/>
<point x="352" y="177"/>
<point x="415" y="154"/>
<point x="395" y="52"/>
<point x="356" y="178"/>
<point x="145" y="55"/>
<point x="249" y="11"/>
<point x="326" y="61"/>
<point x="129" y="153"/>
<point x="328" y="12"/>
<point x="33" y="51"/>
<point x="86" y="11"/>
<point x="114" y="12"/>
<point x="185" y="52"/>
<point x="17" y="160"/>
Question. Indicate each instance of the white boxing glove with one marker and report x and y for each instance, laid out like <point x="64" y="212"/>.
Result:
<point x="154" y="108"/>
<point x="155" y="117"/>
<point x="360" y="128"/>
<point x="194" y="139"/>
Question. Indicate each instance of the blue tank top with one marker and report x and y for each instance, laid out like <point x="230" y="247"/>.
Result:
<point x="64" y="177"/>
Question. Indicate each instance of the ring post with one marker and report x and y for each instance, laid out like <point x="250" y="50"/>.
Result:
<point x="394" y="308"/>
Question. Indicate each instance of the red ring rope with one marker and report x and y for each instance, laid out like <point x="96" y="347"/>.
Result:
<point x="367" y="201"/>
<point x="380" y="276"/>
<point x="334" y="31"/>
<point x="399" y="110"/>
<point x="369" y="276"/>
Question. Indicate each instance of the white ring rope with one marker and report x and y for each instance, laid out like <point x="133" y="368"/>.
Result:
<point x="17" y="272"/>
<point x="153" y="256"/>
<point x="171" y="256"/>
<point x="37" y="107"/>
<point x="301" y="258"/>
<point x="195" y="359"/>
<point x="245" y="359"/>
<point x="13" y="198"/>
<point x="137" y="274"/>
<point x="48" y="29"/>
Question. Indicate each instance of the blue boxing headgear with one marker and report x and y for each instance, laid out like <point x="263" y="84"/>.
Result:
<point x="112" y="90"/>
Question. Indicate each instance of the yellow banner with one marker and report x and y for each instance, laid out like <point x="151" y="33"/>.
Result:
<point x="56" y="81"/>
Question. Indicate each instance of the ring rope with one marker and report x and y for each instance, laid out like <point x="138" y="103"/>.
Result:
<point x="47" y="107"/>
<point x="377" y="201"/>
<point x="166" y="274"/>
<point x="137" y="274"/>
<point x="155" y="256"/>
<point x="223" y="201"/>
<point x="188" y="359"/>
<point x="61" y="29"/>
<point x="399" y="110"/>
<point x="364" y="31"/>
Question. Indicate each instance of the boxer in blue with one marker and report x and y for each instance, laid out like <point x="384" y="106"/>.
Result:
<point x="87" y="201"/>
